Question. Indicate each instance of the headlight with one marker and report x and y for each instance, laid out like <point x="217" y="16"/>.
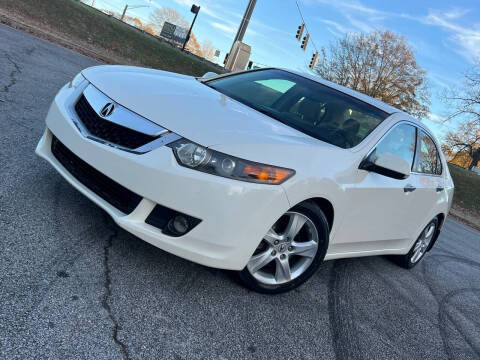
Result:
<point x="77" y="80"/>
<point x="197" y="157"/>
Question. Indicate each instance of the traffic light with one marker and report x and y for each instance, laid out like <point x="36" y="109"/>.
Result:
<point x="225" y="60"/>
<point x="313" y="62"/>
<point x="250" y="65"/>
<point x="305" y="41"/>
<point x="300" y="31"/>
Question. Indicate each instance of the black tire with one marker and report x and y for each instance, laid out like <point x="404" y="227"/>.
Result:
<point x="316" y="215"/>
<point x="405" y="261"/>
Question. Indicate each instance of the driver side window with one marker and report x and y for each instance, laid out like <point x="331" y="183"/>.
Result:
<point x="400" y="141"/>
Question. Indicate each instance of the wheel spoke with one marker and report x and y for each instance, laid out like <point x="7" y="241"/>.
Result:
<point x="416" y="255"/>
<point x="295" y="224"/>
<point x="417" y="252"/>
<point x="429" y="232"/>
<point x="271" y="236"/>
<point x="279" y="245"/>
<point x="259" y="261"/>
<point x="282" y="272"/>
<point x="418" y="245"/>
<point x="307" y="249"/>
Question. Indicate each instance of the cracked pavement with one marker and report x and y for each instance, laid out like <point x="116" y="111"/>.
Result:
<point x="74" y="285"/>
<point x="13" y="73"/>
<point x="107" y="285"/>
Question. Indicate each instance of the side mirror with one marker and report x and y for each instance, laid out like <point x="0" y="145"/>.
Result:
<point x="209" y="74"/>
<point x="387" y="164"/>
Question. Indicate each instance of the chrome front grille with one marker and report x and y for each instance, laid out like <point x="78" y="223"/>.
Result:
<point x="122" y="128"/>
<point x="107" y="130"/>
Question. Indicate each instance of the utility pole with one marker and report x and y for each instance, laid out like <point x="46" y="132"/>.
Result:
<point x="246" y="19"/>
<point x="93" y="3"/>
<point x="195" y="9"/>
<point x="238" y="46"/>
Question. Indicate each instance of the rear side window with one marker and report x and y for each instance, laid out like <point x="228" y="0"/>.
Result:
<point x="399" y="141"/>
<point x="428" y="158"/>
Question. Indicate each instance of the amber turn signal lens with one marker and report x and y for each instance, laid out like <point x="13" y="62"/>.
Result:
<point x="267" y="174"/>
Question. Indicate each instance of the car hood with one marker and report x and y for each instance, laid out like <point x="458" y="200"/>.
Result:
<point x="184" y="105"/>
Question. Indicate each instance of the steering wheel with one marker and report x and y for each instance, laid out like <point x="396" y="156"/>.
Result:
<point x="335" y="135"/>
<point x="341" y="135"/>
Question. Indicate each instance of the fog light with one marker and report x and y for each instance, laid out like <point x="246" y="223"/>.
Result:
<point x="179" y="224"/>
<point x="171" y="222"/>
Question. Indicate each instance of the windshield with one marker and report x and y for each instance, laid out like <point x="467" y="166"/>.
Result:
<point x="303" y="104"/>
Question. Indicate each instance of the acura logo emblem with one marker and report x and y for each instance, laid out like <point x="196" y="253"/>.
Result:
<point x="107" y="110"/>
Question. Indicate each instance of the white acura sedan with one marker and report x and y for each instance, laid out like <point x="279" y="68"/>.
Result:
<point x="267" y="172"/>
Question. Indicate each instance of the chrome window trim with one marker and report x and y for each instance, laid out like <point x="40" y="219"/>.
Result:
<point x="165" y="136"/>
<point x="425" y="174"/>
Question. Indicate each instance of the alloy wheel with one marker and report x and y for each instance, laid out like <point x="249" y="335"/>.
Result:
<point x="286" y="251"/>
<point x="422" y="243"/>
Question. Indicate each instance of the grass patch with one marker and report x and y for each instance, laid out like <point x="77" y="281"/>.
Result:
<point x="466" y="200"/>
<point x="467" y="188"/>
<point x="82" y="25"/>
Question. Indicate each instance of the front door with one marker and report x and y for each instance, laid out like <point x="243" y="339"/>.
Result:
<point x="382" y="210"/>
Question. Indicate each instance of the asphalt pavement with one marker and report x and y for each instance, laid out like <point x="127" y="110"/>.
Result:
<point x="74" y="285"/>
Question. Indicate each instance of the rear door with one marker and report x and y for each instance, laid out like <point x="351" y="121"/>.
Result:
<point x="427" y="180"/>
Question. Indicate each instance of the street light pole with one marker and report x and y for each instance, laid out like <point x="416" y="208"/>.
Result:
<point x="195" y="9"/>
<point x="124" y="11"/>
<point x="131" y="7"/>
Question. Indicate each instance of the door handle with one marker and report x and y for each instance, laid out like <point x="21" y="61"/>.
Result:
<point x="439" y="188"/>
<point x="409" y="188"/>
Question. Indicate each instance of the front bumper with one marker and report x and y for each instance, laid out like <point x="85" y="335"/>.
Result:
<point x="235" y="215"/>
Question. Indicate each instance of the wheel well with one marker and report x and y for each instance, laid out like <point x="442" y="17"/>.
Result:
<point x="441" y="219"/>
<point x="327" y="208"/>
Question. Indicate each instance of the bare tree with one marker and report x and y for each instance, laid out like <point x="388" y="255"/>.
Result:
<point x="194" y="46"/>
<point x="466" y="100"/>
<point x="465" y="105"/>
<point x="159" y="16"/>
<point x="208" y="50"/>
<point x="379" y="64"/>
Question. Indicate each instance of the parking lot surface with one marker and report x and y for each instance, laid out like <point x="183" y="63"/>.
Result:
<point x="74" y="285"/>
